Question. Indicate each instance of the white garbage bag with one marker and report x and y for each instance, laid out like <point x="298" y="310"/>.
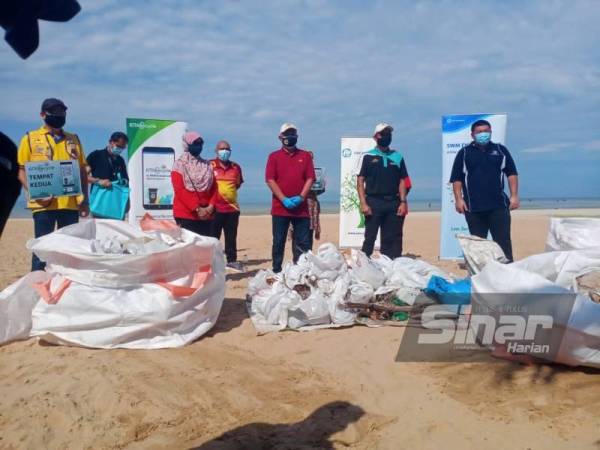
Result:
<point x="547" y="275"/>
<point x="159" y="300"/>
<point x="260" y="281"/>
<point x="360" y="293"/>
<point x="312" y="311"/>
<point x="573" y="233"/>
<point x="295" y="274"/>
<point x="339" y="314"/>
<point x="384" y="263"/>
<point x="478" y="252"/>
<point x="270" y="306"/>
<point x="327" y="263"/>
<point x="413" y="273"/>
<point x="365" y="270"/>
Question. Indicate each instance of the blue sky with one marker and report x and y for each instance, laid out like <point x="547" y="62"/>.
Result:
<point x="237" y="70"/>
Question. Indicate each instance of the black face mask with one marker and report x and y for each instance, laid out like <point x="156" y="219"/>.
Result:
<point x="290" y="141"/>
<point x="385" y="140"/>
<point x="195" y="149"/>
<point x="54" y="121"/>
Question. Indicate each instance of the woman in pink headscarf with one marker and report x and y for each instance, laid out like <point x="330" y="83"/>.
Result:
<point x="194" y="187"/>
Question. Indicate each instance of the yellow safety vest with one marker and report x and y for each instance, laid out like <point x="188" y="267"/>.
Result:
<point x="39" y="145"/>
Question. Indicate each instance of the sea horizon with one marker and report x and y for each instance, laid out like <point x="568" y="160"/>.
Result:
<point x="255" y="207"/>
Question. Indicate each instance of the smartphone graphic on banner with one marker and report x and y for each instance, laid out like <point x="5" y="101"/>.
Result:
<point x="157" y="190"/>
<point x="68" y="177"/>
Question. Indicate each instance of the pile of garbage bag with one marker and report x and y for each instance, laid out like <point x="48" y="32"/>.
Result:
<point x="108" y="284"/>
<point x="323" y="289"/>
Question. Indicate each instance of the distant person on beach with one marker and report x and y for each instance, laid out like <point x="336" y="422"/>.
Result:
<point x="194" y="187"/>
<point x="228" y="176"/>
<point x="52" y="143"/>
<point x="106" y="166"/>
<point x="289" y="174"/>
<point x="478" y="182"/>
<point x="382" y="184"/>
<point x="9" y="178"/>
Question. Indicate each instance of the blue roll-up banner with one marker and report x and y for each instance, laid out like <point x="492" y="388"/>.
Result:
<point x="456" y="133"/>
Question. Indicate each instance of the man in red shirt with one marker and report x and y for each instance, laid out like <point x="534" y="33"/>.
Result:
<point x="290" y="175"/>
<point x="228" y="176"/>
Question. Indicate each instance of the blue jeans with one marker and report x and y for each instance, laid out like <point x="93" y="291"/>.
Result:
<point x="300" y="242"/>
<point x="45" y="222"/>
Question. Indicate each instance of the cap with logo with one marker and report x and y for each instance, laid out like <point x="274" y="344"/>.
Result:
<point x="287" y="126"/>
<point x="54" y="106"/>
<point x="382" y="126"/>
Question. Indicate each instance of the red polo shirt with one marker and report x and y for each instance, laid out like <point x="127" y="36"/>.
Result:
<point x="290" y="171"/>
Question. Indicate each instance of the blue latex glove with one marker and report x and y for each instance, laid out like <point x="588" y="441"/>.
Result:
<point x="297" y="200"/>
<point x="288" y="203"/>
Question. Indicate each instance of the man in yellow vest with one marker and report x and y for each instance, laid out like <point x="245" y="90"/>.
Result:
<point x="52" y="143"/>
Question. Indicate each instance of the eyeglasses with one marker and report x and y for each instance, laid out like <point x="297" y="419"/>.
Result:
<point x="224" y="148"/>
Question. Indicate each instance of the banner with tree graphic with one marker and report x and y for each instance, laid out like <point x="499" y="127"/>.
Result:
<point x="352" y="221"/>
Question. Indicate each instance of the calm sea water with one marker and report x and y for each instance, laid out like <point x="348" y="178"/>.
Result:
<point x="328" y="207"/>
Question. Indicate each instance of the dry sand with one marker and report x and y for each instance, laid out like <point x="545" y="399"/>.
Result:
<point x="323" y="389"/>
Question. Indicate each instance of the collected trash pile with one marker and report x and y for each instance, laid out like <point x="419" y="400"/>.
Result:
<point x="108" y="284"/>
<point x="325" y="290"/>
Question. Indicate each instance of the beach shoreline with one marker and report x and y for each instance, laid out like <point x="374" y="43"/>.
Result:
<point x="342" y="383"/>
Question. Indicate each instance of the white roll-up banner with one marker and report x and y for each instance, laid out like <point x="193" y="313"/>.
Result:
<point x="352" y="221"/>
<point x="456" y="133"/>
<point x="154" y="145"/>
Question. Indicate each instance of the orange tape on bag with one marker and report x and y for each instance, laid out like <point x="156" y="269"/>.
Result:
<point x="43" y="288"/>
<point x="200" y="279"/>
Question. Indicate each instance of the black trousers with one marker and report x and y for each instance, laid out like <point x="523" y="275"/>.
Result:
<point x="45" y="222"/>
<point x="384" y="216"/>
<point x="497" y="222"/>
<point x="227" y="223"/>
<point x="300" y="241"/>
<point x="201" y="227"/>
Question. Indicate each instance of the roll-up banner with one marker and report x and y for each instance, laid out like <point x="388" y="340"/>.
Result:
<point x="456" y="133"/>
<point x="154" y="144"/>
<point x="352" y="221"/>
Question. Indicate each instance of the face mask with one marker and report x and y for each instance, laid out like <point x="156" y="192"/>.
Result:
<point x="224" y="155"/>
<point x="385" y="140"/>
<point x="483" y="138"/>
<point x="117" y="150"/>
<point x="54" y="121"/>
<point x="290" y="141"/>
<point x="195" y="150"/>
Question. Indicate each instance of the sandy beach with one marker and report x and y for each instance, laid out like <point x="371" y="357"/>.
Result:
<point x="323" y="389"/>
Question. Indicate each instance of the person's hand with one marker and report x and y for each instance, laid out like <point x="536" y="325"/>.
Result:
<point x="288" y="203"/>
<point x="461" y="206"/>
<point x="514" y="202"/>
<point x="402" y="209"/>
<point x="365" y="209"/>
<point x="297" y="200"/>
<point x="45" y="202"/>
<point x="84" y="209"/>
<point x="105" y="183"/>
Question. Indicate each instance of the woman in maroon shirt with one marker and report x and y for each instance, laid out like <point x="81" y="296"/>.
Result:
<point x="194" y="187"/>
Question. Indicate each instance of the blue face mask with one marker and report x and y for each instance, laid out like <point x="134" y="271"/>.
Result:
<point x="224" y="155"/>
<point x="483" y="137"/>
<point x="117" y="150"/>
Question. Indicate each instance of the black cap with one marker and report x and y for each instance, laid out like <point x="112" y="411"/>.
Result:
<point x="52" y="105"/>
<point x="118" y="135"/>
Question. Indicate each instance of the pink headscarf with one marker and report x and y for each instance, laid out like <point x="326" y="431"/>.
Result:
<point x="196" y="172"/>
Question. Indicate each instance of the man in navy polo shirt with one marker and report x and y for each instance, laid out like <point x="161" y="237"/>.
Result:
<point x="382" y="189"/>
<point x="478" y="182"/>
<point x="290" y="175"/>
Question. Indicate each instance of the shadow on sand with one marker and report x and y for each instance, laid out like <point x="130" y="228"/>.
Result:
<point x="314" y="432"/>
